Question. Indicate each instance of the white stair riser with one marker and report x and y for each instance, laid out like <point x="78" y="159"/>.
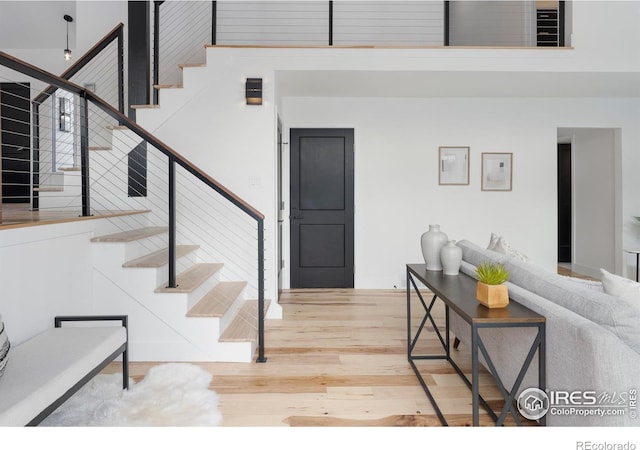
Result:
<point x="184" y="352"/>
<point x="231" y="312"/>
<point x="158" y="328"/>
<point x="134" y="249"/>
<point x="121" y="223"/>
<point x="198" y="293"/>
<point x="167" y="333"/>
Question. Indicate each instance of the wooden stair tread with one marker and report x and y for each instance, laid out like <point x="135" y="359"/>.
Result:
<point x="144" y="106"/>
<point x="191" y="278"/>
<point x="70" y="169"/>
<point x="161" y="257"/>
<point x="48" y="189"/>
<point x="218" y="300"/>
<point x="244" y="327"/>
<point x="167" y="86"/>
<point x="131" y="235"/>
<point x="182" y="66"/>
<point x="98" y="148"/>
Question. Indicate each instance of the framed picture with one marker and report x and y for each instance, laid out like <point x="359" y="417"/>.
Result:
<point x="454" y="165"/>
<point x="497" y="171"/>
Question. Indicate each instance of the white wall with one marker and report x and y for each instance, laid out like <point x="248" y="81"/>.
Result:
<point x="18" y="17"/>
<point x="232" y="142"/>
<point x="43" y="45"/>
<point x="44" y="271"/>
<point x="397" y="192"/>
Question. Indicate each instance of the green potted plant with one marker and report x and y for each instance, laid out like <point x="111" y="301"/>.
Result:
<point x="491" y="291"/>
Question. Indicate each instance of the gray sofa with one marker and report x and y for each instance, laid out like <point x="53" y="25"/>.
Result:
<point x="593" y="341"/>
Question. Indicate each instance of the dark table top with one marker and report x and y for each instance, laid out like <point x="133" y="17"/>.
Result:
<point x="459" y="292"/>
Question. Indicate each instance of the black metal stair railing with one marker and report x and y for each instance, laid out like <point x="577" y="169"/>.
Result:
<point x="176" y="179"/>
<point x="90" y="66"/>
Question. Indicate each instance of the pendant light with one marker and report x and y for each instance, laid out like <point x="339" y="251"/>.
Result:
<point x="67" y="51"/>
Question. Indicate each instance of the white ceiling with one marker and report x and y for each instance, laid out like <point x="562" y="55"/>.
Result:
<point x="18" y="19"/>
<point x="302" y="83"/>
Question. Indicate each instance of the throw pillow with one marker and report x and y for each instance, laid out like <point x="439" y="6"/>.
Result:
<point x="493" y="241"/>
<point x="621" y="287"/>
<point x="5" y="345"/>
<point x="502" y="246"/>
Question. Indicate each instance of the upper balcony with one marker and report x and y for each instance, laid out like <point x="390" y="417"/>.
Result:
<point x="415" y="23"/>
<point x="573" y="48"/>
<point x="416" y="35"/>
<point x="593" y="39"/>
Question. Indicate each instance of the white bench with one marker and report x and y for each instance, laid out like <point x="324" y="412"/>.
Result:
<point x="43" y="372"/>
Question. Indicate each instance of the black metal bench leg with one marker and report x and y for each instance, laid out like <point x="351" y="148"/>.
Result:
<point x="125" y="370"/>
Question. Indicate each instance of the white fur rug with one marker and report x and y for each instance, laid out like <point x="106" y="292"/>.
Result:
<point x="170" y="395"/>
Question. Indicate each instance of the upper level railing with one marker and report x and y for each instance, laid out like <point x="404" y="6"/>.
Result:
<point x="181" y="29"/>
<point x="217" y="216"/>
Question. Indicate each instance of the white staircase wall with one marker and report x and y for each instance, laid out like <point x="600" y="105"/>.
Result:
<point x="211" y="126"/>
<point x="159" y="327"/>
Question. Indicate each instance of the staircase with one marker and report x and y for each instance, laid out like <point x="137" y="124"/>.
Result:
<point x="208" y="313"/>
<point x="204" y="318"/>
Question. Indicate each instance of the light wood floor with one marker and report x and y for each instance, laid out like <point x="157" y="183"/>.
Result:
<point x="339" y="358"/>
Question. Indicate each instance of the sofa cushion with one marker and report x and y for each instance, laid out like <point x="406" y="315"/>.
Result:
<point x="474" y="254"/>
<point x="582" y="283"/>
<point x="5" y="346"/>
<point x="621" y="287"/>
<point x="612" y="313"/>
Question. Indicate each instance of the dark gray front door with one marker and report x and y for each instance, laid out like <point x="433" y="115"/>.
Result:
<point x="322" y="208"/>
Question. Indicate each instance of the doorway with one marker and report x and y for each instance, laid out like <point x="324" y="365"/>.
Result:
<point x="15" y="131"/>
<point x="322" y="208"/>
<point x="564" y="204"/>
<point x="594" y="158"/>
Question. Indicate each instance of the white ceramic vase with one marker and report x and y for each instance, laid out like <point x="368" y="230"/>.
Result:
<point x="451" y="258"/>
<point x="432" y="241"/>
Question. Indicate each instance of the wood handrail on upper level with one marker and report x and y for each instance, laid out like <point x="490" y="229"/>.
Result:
<point x="54" y="80"/>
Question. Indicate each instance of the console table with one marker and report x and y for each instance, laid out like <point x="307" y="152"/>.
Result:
<point x="458" y="292"/>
